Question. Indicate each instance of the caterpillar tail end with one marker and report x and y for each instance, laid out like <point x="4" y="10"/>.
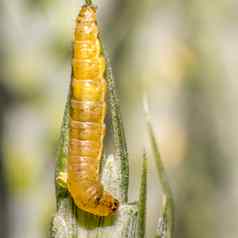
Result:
<point x="61" y="179"/>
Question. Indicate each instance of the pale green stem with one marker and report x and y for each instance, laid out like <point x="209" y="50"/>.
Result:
<point x="88" y="2"/>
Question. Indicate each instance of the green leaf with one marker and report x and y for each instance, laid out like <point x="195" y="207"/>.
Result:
<point x="166" y="221"/>
<point x="118" y="129"/>
<point x="142" y="200"/>
<point x="61" y="162"/>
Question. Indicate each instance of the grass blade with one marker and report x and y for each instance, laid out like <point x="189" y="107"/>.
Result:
<point x="118" y="129"/>
<point x="142" y="200"/>
<point x="166" y="220"/>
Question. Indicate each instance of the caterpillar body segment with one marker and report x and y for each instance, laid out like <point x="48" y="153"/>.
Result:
<point x="87" y="114"/>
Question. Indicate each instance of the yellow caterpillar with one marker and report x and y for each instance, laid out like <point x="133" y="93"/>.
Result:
<point x="87" y="113"/>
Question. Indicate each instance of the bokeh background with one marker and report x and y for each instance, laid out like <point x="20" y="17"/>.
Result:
<point x="182" y="53"/>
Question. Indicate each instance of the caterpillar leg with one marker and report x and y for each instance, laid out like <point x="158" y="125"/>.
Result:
<point x="61" y="179"/>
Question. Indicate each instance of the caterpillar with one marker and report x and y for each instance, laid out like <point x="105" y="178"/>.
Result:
<point x="86" y="123"/>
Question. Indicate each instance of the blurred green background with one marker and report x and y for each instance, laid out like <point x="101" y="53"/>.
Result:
<point x="182" y="53"/>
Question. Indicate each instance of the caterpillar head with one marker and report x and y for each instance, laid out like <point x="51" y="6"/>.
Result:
<point x="106" y="205"/>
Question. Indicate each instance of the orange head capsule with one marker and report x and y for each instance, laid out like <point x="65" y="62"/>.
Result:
<point x="106" y="205"/>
